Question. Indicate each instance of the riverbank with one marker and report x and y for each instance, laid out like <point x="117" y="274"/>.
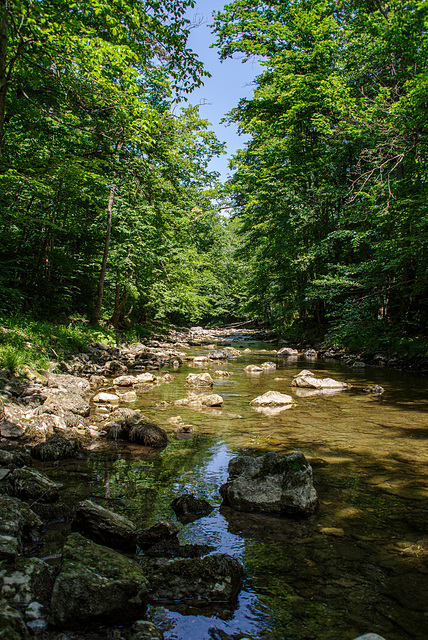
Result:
<point x="94" y="399"/>
<point x="28" y="344"/>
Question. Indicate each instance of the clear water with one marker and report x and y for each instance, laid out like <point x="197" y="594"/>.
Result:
<point x="358" y="565"/>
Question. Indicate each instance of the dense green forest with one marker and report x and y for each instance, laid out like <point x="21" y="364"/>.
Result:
<point x="109" y="211"/>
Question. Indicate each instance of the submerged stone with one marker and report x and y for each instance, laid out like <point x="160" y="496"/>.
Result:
<point x="189" y="505"/>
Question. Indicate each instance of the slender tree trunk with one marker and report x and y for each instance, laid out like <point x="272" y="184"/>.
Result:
<point x="119" y="302"/>
<point x="3" y="65"/>
<point x="100" y="293"/>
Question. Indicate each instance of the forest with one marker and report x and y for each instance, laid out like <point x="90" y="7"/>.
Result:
<point x="110" y="215"/>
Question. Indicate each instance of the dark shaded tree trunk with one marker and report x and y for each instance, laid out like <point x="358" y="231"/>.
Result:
<point x="100" y="293"/>
<point x="4" y="28"/>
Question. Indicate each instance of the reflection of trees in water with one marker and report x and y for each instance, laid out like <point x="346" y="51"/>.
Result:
<point x="142" y="481"/>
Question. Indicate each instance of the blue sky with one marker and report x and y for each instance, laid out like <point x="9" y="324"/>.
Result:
<point x="230" y="81"/>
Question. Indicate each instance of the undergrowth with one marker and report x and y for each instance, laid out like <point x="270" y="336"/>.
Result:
<point x="25" y="342"/>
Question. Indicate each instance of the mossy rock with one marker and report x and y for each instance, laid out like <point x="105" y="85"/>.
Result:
<point x="57" y="448"/>
<point x="97" y="585"/>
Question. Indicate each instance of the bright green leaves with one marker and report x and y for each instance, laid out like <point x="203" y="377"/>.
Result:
<point x="329" y="186"/>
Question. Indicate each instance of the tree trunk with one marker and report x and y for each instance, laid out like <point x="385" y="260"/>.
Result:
<point x="3" y="65"/>
<point x="119" y="302"/>
<point x="100" y="293"/>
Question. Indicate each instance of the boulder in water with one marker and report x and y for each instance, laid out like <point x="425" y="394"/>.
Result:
<point x="272" y="483"/>
<point x="216" y="578"/>
<point x="199" y="380"/>
<point x="272" y="399"/>
<point x="104" y="526"/>
<point x="57" y="448"/>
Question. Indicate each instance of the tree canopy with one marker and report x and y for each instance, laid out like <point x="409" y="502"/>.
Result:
<point x="330" y="187"/>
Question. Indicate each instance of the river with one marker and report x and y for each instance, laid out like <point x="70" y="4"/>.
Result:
<point x="357" y="565"/>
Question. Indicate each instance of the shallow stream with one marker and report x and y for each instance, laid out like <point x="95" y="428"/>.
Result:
<point x="358" y="565"/>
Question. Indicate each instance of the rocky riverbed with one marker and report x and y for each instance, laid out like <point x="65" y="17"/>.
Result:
<point x="111" y="571"/>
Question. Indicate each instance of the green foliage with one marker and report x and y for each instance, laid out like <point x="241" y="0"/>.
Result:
<point x="329" y="189"/>
<point x="99" y="172"/>
<point x="25" y="342"/>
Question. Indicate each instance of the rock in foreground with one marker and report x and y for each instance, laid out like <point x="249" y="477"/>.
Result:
<point x="96" y="585"/>
<point x="272" y="483"/>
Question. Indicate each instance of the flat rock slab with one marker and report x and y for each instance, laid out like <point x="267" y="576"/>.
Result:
<point x="97" y="585"/>
<point x="272" y="399"/>
<point x="306" y="379"/>
<point x="10" y="429"/>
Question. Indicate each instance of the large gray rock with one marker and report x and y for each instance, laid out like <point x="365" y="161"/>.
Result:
<point x="104" y="526"/>
<point x="17" y="524"/>
<point x="28" y="484"/>
<point x="28" y="580"/>
<point x="272" y="399"/>
<point x="272" y="483"/>
<point x="201" y="380"/>
<point x="97" y="585"/>
<point x="57" y="448"/>
<point x="216" y="578"/>
<point x="62" y="403"/>
<point x="307" y="380"/>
